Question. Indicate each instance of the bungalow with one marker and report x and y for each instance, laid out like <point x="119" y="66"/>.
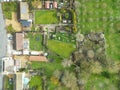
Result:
<point x="24" y="14"/>
<point x="19" y="41"/>
<point x="38" y="58"/>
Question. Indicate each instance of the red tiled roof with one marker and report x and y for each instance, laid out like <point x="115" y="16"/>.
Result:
<point x="38" y="58"/>
<point x="19" y="41"/>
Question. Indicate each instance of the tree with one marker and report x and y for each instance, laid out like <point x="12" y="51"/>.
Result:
<point x="36" y="82"/>
<point x="69" y="80"/>
<point x="117" y="26"/>
<point x="66" y="63"/>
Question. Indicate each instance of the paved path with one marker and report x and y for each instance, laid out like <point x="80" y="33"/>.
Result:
<point x="3" y="44"/>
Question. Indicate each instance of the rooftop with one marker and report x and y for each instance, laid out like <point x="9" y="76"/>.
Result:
<point x="24" y="11"/>
<point x="19" y="41"/>
<point x="38" y="58"/>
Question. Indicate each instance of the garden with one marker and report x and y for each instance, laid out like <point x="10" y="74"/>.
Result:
<point x="8" y="8"/>
<point x="35" y="41"/>
<point x="61" y="48"/>
<point x="46" y="17"/>
<point x="64" y="37"/>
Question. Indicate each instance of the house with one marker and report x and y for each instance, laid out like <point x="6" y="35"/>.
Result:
<point x="24" y="14"/>
<point x="8" y="65"/>
<point x="24" y="11"/>
<point x="19" y="37"/>
<point x="55" y="4"/>
<point x="50" y="4"/>
<point x="47" y="4"/>
<point x="38" y="58"/>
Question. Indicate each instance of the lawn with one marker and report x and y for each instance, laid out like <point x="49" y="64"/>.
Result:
<point x="61" y="48"/>
<point x="35" y="41"/>
<point x="8" y="8"/>
<point x="46" y="17"/>
<point x="101" y="16"/>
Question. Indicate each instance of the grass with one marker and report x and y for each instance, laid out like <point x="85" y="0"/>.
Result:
<point x="36" y="82"/>
<point x="61" y="48"/>
<point x="35" y="41"/>
<point x="101" y="16"/>
<point x="8" y="8"/>
<point x="46" y="17"/>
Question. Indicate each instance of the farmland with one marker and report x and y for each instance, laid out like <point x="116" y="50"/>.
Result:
<point x="101" y="16"/>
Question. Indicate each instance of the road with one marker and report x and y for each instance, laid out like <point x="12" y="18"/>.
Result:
<point x="3" y="44"/>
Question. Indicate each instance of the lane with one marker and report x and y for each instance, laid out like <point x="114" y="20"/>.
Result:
<point x="3" y="44"/>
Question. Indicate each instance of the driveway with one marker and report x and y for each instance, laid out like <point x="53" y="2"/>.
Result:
<point x="9" y="44"/>
<point x="3" y="44"/>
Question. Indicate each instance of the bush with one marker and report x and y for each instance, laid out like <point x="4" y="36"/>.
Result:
<point x="10" y="29"/>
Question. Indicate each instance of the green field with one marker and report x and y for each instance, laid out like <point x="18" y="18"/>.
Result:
<point x="35" y="41"/>
<point x="46" y="17"/>
<point x="61" y="48"/>
<point x="101" y="16"/>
